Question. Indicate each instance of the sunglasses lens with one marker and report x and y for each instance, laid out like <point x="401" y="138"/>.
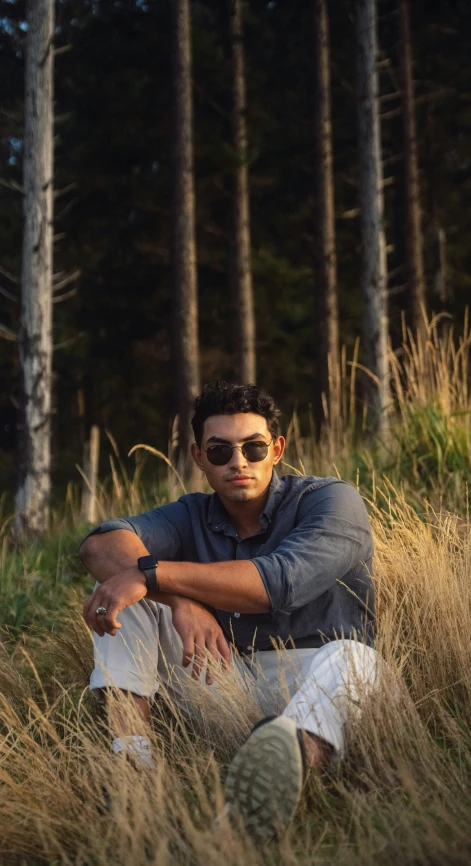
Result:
<point x="255" y="451"/>
<point x="219" y="455"/>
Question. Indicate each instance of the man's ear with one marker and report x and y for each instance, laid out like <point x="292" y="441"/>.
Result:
<point x="278" y="448"/>
<point x="196" y="454"/>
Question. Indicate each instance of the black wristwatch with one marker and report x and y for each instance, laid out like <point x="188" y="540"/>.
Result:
<point x="148" y="565"/>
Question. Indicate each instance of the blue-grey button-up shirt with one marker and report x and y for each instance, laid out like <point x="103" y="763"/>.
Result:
<point x="314" y="553"/>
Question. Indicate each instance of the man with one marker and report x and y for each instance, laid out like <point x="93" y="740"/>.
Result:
<point x="261" y="562"/>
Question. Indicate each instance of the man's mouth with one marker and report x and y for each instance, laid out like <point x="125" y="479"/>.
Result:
<point x="239" y="479"/>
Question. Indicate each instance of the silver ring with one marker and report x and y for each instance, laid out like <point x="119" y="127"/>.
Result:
<point x="100" y="611"/>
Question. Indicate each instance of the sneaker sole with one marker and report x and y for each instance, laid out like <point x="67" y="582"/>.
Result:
<point x="265" y="780"/>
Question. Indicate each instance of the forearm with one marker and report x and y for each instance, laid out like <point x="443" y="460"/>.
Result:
<point x="114" y="552"/>
<point x="231" y="586"/>
<point x="106" y="555"/>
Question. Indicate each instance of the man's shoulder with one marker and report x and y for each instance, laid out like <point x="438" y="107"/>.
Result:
<point x="189" y="503"/>
<point x="331" y="494"/>
<point x="300" y="485"/>
<point x="183" y="512"/>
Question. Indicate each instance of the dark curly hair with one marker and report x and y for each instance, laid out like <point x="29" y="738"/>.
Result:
<point x="229" y="398"/>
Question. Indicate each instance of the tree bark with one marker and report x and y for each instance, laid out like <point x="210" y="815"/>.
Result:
<point x="184" y="278"/>
<point x="374" y="264"/>
<point x="35" y="343"/>
<point x="242" y="277"/>
<point x="415" y="265"/>
<point x="324" y="232"/>
<point x="91" y="461"/>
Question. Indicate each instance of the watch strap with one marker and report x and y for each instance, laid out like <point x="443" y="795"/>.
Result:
<point x="150" y="574"/>
<point x="148" y="565"/>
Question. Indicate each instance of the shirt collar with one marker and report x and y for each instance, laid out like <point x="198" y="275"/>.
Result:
<point x="219" y="521"/>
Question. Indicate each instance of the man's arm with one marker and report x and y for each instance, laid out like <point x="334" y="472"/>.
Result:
<point x="234" y="585"/>
<point x="111" y="558"/>
<point x="105" y="555"/>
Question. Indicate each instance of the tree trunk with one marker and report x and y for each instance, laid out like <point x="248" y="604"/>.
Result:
<point x="35" y="343"/>
<point x="374" y="265"/>
<point x="91" y="461"/>
<point x="242" y="278"/>
<point x="415" y="265"/>
<point x="185" y="300"/>
<point x="324" y="232"/>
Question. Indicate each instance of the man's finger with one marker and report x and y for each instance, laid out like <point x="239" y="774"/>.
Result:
<point x="224" y="651"/>
<point x="109" y="621"/>
<point x="96" y="622"/>
<point x="188" y="650"/>
<point x="199" y="657"/>
<point x="87" y="607"/>
<point x="214" y="652"/>
<point x="89" y="612"/>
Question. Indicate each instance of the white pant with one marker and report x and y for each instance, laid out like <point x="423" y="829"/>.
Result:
<point x="319" y="689"/>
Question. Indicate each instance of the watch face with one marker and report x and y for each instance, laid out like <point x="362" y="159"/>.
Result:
<point x="146" y="562"/>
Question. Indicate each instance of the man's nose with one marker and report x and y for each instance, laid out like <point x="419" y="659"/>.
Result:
<point x="238" y="461"/>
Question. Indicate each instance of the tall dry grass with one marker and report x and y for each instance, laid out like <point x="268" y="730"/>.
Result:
<point x="428" y="453"/>
<point x="402" y="795"/>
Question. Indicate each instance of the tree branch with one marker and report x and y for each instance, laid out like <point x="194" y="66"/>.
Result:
<point x="64" y="297"/>
<point x="386" y="115"/>
<point x="58" y="193"/>
<point x="9" y="276"/>
<point x="61" y="284"/>
<point x="388" y="96"/>
<point x="8" y="334"/>
<point x="12" y="184"/>
<point x="64" y="343"/>
<point x="62" y="50"/>
<point x="9" y="295"/>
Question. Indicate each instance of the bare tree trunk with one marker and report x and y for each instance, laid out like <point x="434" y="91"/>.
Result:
<point x="91" y="460"/>
<point x="324" y="233"/>
<point x="415" y="265"/>
<point x="242" y="281"/>
<point x="185" y="299"/>
<point x="35" y="343"/>
<point x="374" y="270"/>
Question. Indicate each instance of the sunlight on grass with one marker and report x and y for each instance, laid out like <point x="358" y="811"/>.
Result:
<point x="403" y="793"/>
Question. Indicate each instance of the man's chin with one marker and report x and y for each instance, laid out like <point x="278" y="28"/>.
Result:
<point x="241" y="494"/>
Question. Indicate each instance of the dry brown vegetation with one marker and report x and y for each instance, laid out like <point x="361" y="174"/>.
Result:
<point x="401" y="796"/>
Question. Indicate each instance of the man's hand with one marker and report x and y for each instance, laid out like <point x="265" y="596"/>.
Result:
<point x="114" y="594"/>
<point x="200" y="633"/>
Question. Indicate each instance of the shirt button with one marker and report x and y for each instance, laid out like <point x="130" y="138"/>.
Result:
<point x="250" y="648"/>
<point x="237" y="615"/>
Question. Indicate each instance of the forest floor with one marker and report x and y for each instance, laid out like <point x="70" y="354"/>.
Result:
<point x="402" y="795"/>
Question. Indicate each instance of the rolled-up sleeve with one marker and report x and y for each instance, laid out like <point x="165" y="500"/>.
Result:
<point x="332" y="536"/>
<point x="156" y="532"/>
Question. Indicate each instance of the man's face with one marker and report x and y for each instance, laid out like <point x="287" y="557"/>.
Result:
<point x="239" y="480"/>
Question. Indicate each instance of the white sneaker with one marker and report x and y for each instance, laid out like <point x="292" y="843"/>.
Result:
<point x="138" y="748"/>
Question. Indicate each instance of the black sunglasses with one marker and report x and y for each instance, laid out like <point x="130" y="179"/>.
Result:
<point x="221" y="454"/>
